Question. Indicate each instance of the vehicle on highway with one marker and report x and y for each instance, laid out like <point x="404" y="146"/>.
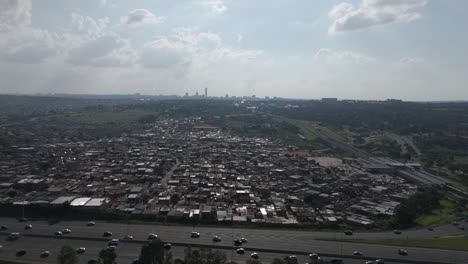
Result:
<point x="3" y="228"/>
<point x="128" y="237"/>
<point x="397" y="232"/>
<point x="292" y="257"/>
<point x="357" y="253"/>
<point x="80" y="250"/>
<point x="402" y="252"/>
<point x="194" y="235"/>
<point x="111" y="248"/>
<point x="369" y="262"/>
<point x="66" y="231"/>
<point x="254" y="255"/>
<point x="113" y="242"/>
<point x="430" y="229"/>
<point x="379" y="261"/>
<point x="336" y="261"/>
<point x="20" y="252"/>
<point x="92" y="261"/>
<point x="216" y="239"/>
<point x="107" y="234"/>
<point x="45" y="254"/>
<point x="167" y="246"/>
<point x="240" y="251"/>
<point x="243" y="240"/>
<point x="91" y="223"/>
<point x="152" y="236"/>
<point x="348" y="232"/>
<point x="14" y="235"/>
<point x="237" y="242"/>
<point x="23" y="219"/>
<point x="1" y="248"/>
<point x="314" y="256"/>
<point x="58" y="233"/>
<point x="27" y="227"/>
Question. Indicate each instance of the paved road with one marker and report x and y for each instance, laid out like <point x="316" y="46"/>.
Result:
<point x="263" y="238"/>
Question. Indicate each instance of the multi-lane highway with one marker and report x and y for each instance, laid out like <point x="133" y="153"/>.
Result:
<point x="269" y="243"/>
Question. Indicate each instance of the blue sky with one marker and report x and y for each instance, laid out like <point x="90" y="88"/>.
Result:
<point x="362" y="49"/>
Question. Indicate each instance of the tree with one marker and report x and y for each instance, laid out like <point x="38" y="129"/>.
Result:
<point x="107" y="256"/>
<point x="67" y="255"/>
<point x="152" y="252"/>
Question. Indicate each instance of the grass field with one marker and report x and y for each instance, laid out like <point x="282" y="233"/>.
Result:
<point x="107" y="117"/>
<point x="443" y="214"/>
<point x="451" y="243"/>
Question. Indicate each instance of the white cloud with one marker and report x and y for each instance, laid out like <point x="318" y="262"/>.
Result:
<point x="370" y="13"/>
<point x="240" y="38"/>
<point x="106" y="51"/>
<point x="333" y="56"/>
<point x="15" y="13"/>
<point x="215" y="7"/>
<point x="410" y="61"/>
<point x="88" y="26"/>
<point x="163" y="53"/>
<point x="139" y="17"/>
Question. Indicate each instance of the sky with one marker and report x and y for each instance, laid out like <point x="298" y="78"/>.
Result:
<point x="349" y="49"/>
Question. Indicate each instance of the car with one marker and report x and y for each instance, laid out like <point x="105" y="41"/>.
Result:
<point x="23" y="219"/>
<point x="3" y="228"/>
<point x="254" y="255"/>
<point x="80" y="250"/>
<point x="167" y="246"/>
<point x="402" y="252"/>
<point x="314" y="256"/>
<point x="243" y="240"/>
<point x="397" y="232"/>
<point x="113" y="242"/>
<point x="194" y="235"/>
<point x="336" y="261"/>
<point x="379" y="261"/>
<point x="152" y="236"/>
<point x="91" y="223"/>
<point x="369" y="262"/>
<point x="111" y="248"/>
<point x="107" y="234"/>
<point x="13" y="236"/>
<point x="20" y="252"/>
<point x="348" y="232"/>
<point x="237" y="242"/>
<point x="430" y="229"/>
<point x="128" y="237"/>
<point x="240" y="251"/>
<point x="216" y="239"/>
<point x="58" y="233"/>
<point x="45" y="254"/>
<point x="92" y="261"/>
<point x="27" y="227"/>
<point x="66" y="231"/>
<point x="292" y="257"/>
<point x="136" y="261"/>
<point x="1" y="248"/>
<point x="357" y="253"/>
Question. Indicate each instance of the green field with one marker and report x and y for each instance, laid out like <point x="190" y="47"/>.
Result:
<point x="450" y="243"/>
<point x="108" y="117"/>
<point x="444" y="214"/>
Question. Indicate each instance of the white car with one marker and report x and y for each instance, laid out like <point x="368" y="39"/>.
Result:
<point x="80" y="250"/>
<point x="216" y="239"/>
<point x="379" y="261"/>
<point x="91" y="223"/>
<point x="45" y="254"/>
<point x="254" y="255"/>
<point x="314" y="256"/>
<point x="66" y="231"/>
<point x="128" y="237"/>
<point x="240" y="251"/>
<point x="243" y="240"/>
<point x="113" y="242"/>
<point x="195" y="235"/>
<point x="152" y="236"/>
<point x="58" y="233"/>
<point x="14" y="235"/>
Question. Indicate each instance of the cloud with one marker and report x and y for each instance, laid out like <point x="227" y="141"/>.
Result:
<point x="88" y="26"/>
<point x="333" y="56"/>
<point x="15" y="13"/>
<point x="215" y="7"/>
<point x="163" y="53"/>
<point x="370" y="13"/>
<point x="140" y="17"/>
<point x="410" y="61"/>
<point x="239" y="38"/>
<point x="105" y="51"/>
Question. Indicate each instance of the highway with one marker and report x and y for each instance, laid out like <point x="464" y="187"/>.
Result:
<point x="41" y="238"/>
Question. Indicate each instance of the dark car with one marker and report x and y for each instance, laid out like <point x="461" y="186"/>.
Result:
<point x="23" y="219"/>
<point x="237" y="242"/>
<point x="402" y="252"/>
<point x="397" y="232"/>
<point x="27" y="227"/>
<point x="45" y="254"/>
<point x="216" y="239"/>
<point x="348" y="232"/>
<point x="92" y="261"/>
<point x="21" y="252"/>
<point x="3" y="228"/>
<point x="336" y="261"/>
<point x="107" y="234"/>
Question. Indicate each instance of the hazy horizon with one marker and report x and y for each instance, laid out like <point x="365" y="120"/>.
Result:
<point x="357" y="49"/>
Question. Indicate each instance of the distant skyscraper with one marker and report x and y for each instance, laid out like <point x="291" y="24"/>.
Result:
<point x="196" y="94"/>
<point x="206" y="92"/>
